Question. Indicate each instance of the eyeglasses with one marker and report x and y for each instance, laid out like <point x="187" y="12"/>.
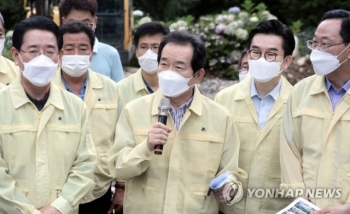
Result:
<point x="269" y="56"/>
<point x="322" y="46"/>
<point x="143" y="49"/>
<point x="35" y="53"/>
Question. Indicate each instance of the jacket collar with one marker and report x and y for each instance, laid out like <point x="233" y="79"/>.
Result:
<point x="139" y="84"/>
<point x="243" y="90"/>
<point x="318" y="86"/>
<point x="19" y="97"/>
<point x="2" y="63"/>
<point x="196" y="105"/>
<point x="93" y="82"/>
<point x="95" y="49"/>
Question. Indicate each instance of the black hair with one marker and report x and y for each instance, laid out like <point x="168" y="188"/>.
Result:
<point x="35" y="23"/>
<point x="78" y="27"/>
<point x="344" y="15"/>
<point x="275" y="27"/>
<point x="183" y="38"/>
<point x="82" y="5"/>
<point x="244" y="52"/>
<point x="149" y="28"/>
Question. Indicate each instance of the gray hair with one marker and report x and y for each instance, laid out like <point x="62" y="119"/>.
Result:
<point x="2" y="21"/>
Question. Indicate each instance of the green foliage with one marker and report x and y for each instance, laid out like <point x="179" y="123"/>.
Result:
<point x="248" y="6"/>
<point x="308" y="12"/>
<point x="296" y="26"/>
<point x="8" y="45"/>
<point x="164" y="10"/>
<point x="225" y="34"/>
<point x="12" y="11"/>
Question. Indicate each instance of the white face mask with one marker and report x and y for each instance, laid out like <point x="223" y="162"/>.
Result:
<point x="40" y="70"/>
<point x="148" y="62"/>
<point x="2" y="45"/>
<point x="75" y="65"/>
<point x="324" y="63"/>
<point x="172" y="84"/>
<point x="242" y="76"/>
<point x="264" y="71"/>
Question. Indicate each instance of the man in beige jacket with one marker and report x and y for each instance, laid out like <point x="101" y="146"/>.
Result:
<point x="100" y="95"/>
<point x="47" y="156"/>
<point x="315" y="148"/>
<point x="200" y="140"/>
<point x="256" y="105"/>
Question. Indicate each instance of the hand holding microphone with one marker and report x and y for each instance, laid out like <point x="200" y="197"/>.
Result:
<point x="158" y="132"/>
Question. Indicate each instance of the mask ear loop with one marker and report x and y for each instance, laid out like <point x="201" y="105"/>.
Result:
<point x="283" y="61"/>
<point x="341" y="53"/>
<point x="190" y="79"/>
<point x="21" y="61"/>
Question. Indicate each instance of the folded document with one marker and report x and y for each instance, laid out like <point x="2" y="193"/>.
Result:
<point x="299" y="206"/>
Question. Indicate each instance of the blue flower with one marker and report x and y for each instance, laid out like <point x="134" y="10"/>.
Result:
<point x="234" y="9"/>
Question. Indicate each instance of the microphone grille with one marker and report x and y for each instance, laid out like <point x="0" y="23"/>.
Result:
<point x="164" y="102"/>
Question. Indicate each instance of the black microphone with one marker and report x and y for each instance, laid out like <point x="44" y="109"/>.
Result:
<point x="164" y="107"/>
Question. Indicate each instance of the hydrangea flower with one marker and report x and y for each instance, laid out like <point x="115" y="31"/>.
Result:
<point x="211" y="26"/>
<point x="240" y="23"/>
<point x="182" y="23"/>
<point x="144" y="20"/>
<point x="182" y="28"/>
<point x="230" y="18"/>
<point x="224" y="34"/>
<point x="205" y="18"/>
<point x="254" y="19"/>
<point x="213" y="62"/>
<point x="220" y="28"/>
<point x="243" y="15"/>
<point x="241" y="34"/>
<point x="235" y="55"/>
<point x="179" y="25"/>
<point x="137" y="13"/>
<point x="234" y="9"/>
<point x="220" y="19"/>
<point x="231" y="29"/>
<point x="173" y="26"/>
<point x="222" y="59"/>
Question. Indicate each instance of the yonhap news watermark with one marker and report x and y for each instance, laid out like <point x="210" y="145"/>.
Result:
<point x="293" y="193"/>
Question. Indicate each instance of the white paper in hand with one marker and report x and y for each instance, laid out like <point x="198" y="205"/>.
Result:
<point x="217" y="182"/>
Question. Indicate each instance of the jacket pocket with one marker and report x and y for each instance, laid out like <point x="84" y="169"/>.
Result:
<point x="103" y="121"/>
<point x="57" y="188"/>
<point x="197" y="201"/>
<point x="343" y="181"/>
<point x="153" y="195"/>
<point x="24" y="186"/>
<point x="140" y="135"/>
<point x="64" y="140"/>
<point x="271" y="202"/>
<point x="27" y="189"/>
<point x="204" y="153"/>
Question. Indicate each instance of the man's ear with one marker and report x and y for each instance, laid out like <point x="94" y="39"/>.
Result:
<point x="199" y="75"/>
<point x="95" y="23"/>
<point x="15" y="56"/>
<point x="288" y="60"/>
<point x="63" y="20"/>
<point x="348" y="50"/>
